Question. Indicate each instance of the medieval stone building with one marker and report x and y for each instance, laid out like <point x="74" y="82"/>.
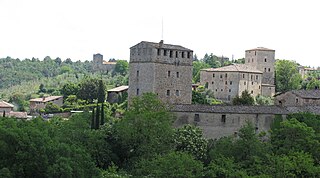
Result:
<point x="230" y="81"/>
<point x="256" y="76"/>
<point x="163" y="69"/>
<point x="102" y="66"/>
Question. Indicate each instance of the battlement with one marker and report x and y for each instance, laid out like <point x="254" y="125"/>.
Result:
<point x="161" y="53"/>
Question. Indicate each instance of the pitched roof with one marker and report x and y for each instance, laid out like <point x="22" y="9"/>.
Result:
<point x="21" y="115"/>
<point x="165" y="46"/>
<point x="234" y="68"/>
<point x="309" y="94"/>
<point x="119" y="89"/>
<point x="106" y="62"/>
<point x="45" y="99"/>
<point x="4" y="104"/>
<point x="260" y="49"/>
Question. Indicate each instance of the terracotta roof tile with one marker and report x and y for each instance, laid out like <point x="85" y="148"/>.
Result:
<point x="4" y="104"/>
<point x="45" y="99"/>
<point x="234" y="68"/>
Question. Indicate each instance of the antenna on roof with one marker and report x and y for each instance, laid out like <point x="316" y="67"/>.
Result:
<point x="162" y="29"/>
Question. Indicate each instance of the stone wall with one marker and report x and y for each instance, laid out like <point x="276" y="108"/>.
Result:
<point x="165" y="70"/>
<point x="262" y="60"/>
<point x="228" y="85"/>
<point x="218" y="121"/>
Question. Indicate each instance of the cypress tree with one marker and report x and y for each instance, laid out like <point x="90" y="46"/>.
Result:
<point x="101" y="91"/>
<point x="4" y="114"/>
<point x="97" y="117"/>
<point x="93" y="119"/>
<point x="102" y="114"/>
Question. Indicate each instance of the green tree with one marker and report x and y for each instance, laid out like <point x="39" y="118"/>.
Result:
<point x="197" y="66"/>
<point x="313" y="84"/>
<point x="293" y="135"/>
<point x="69" y="89"/>
<point x="52" y="108"/>
<point x="287" y="76"/>
<point x="145" y="130"/>
<point x="88" y="89"/>
<point x="173" y="165"/>
<point x="122" y="67"/>
<point x="189" y="139"/>
<point x="244" y="99"/>
<point x="101" y="91"/>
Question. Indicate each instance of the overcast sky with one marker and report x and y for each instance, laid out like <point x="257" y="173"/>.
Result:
<point x="77" y="29"/>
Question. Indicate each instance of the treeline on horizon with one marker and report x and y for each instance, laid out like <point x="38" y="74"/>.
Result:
<point x="144" y="143"/>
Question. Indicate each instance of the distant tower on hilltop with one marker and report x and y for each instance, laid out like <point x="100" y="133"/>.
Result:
<point x="263" y="59"/>
<point x="163" y="69"/>
<point x="103" y="66"/>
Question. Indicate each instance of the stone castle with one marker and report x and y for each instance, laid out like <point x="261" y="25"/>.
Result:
<point x="101" y="65"/>
<point x="163" y="69"/>
<point x="166" y="70"/>
<point x="256" y="76"/>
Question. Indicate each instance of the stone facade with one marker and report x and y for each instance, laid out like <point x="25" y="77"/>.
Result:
<point x="103" y="66"/>
<point x="299" y="98"/>
<point x="163" y="69"/>
<point x="263" y="59"/>
<point x="40" y="103"/>
<point x="230" y="81"/>
<point x="5" y="107"/>
<point x="217" y="121"/>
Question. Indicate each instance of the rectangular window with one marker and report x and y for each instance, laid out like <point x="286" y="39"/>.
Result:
<point x="251" y="77"/>
<point x="168" y="92"/>
<point x="169" y="73"/>
<point x="177" y="92"/>
<point x="257" y="77"/>
<point x="230" y="82"/>
<point x="242" y="75"/>
<point x="265" y="59"/>
<point x="137" y="73"/>
<point x="178" y="75"/>
<point x="165" y="52"/>
<point x="229" y="90"/>
<point x="245" y="83"/>
<point x="223" y="118"/>
<point x="268" y="69"/>
<point x="177" y="55"/>
<point x="265" y="69"/>
<point x="221" y="76"/>
<point x="213" y="75"/>
<point x="182" y="54"/>
<point x="171" y="53"/>
<point x="138" y="91"/>
<point x="196" y="118"/>
<point x="158" y="52"/>
<point x="226" y="75"/>
<point x="189" y="55"/>
<point x="226" y="82"/>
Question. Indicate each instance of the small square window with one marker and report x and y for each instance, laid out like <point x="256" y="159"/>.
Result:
<point x="229" y="90"/>
<point x="251" y="91"/>
<point x="268" y="69"/>
<point x="212" y="83"/>
<point x="213" y="75"/>
<point x="230" y="82"/>
<point x="138" y="91"/>
<point x="221" y="76"/>
<point x="178" y="75"/>
<point x="169" y="73"/>
<point x="168" y="92"/>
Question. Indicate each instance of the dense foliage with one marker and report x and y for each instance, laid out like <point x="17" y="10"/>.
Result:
<point x="287" y="76"/>
<point x="143" y="143"/>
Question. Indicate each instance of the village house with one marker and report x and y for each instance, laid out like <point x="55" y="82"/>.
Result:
<point x="298" y="98"/>
<point x="40" y="103"/>
<point x="115" y="94"/>
<point x="5" y="107"/>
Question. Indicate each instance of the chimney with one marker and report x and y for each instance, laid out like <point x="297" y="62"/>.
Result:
<point x="161" y="43"/>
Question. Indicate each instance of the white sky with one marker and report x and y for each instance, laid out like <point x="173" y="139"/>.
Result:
<point x="77" y="29"/>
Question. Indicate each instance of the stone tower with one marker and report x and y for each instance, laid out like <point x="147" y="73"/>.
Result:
<point x="163" y="69"/>
<point x="263" y="59"/>
<point x="97" y="61"/>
